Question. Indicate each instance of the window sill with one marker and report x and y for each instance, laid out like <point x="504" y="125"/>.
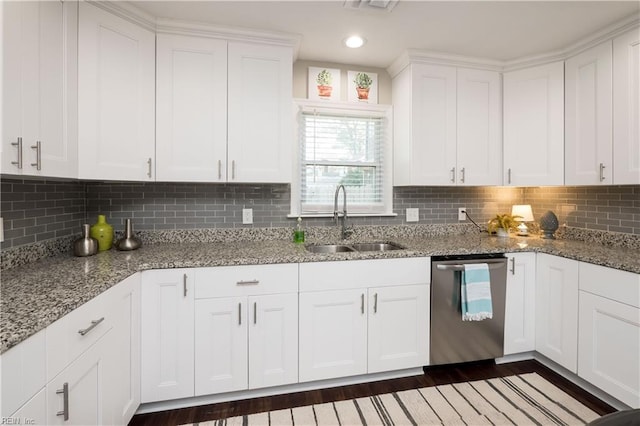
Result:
<point x="330" y="215"/>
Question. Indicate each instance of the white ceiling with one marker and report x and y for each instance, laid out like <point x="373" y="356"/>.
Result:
<point x="500" y="30"/>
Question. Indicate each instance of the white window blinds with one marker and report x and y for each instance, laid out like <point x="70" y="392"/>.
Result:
<point x="343" y="148"/>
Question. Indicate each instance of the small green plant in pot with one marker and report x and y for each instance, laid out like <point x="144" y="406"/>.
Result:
<point x="502" y="224"/>
<point x="324" y="80"/>
<point x="363" y="84"/>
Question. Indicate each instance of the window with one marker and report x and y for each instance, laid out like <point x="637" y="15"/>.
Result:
<point x="343" y="145"/>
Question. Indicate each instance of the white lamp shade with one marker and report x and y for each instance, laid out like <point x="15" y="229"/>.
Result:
<point x="524" y="211"/>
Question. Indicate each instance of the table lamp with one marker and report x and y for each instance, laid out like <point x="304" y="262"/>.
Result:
<point x="526" y="215"/>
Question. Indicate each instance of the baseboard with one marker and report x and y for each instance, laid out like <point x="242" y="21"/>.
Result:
<point x="524" y="356"/>
<point x="153" y="407"/>
<point x="575" y="379"/>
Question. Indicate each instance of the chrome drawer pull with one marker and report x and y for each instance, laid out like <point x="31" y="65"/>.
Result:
<point x="513" y="266"/>
<point x="249" y="282"/>
<point x="38" y="148"/>
<point x="362" y="303"/>
<point x="375" y="303"/>
<point x="239" y="313"/>
<point x="93" y="325"/>
<point x="184" y="285"/>
<point x="18" y="145"/>
<point x="255" y="312"/>
<point x="602" y="167"/>
<point x="65" y="401"/>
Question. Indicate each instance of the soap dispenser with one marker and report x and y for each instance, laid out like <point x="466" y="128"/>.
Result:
<point x="298" y="233"/>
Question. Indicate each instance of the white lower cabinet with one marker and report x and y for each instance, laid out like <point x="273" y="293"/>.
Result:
<point x="557" y="310"/>
<point x="379" y="324"/>
<point x="520" y="306"/>
<point x="33" y="411"/>
<point x="609" y="332"/>
<point x="246" y="333"/>
<point x="167" y="334"/>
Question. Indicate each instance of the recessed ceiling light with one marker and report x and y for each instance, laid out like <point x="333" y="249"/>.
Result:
<point x="354" y="42"/>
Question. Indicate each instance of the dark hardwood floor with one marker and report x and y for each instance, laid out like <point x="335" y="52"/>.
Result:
<point x="433" y="376"/>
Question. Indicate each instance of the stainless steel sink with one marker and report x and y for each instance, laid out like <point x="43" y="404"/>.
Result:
<point x="329" y="248"/>
<point x="345" y="248"/>
<point x="376" y="247"/>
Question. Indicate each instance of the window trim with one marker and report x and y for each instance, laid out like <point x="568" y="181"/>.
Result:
<point x="357" y="110"/>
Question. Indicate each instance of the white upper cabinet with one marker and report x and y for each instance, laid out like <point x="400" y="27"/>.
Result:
<point x="588" y="117"/>
<point x="626" y="108"/>
<point x="224" y="111"/>
<point x="260" y="117"/>
<point x="479" y="147"/>
<point x="447" y="126"/>
<point x="39" y="105"/>
<point x="191" y="108"/>
<point x="534" y="126"/>
<point x="116" y="97"/>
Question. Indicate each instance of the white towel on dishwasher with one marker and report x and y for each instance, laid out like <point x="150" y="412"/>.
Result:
<point x="475" y="289"/>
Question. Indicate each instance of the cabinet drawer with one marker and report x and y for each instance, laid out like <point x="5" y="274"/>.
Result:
<point x="73" y="334"/>
<point x="246" y="280"/>
<point x="321" y="276"/>
<point x="621" y="286"/>
<point x="23" y="372"/>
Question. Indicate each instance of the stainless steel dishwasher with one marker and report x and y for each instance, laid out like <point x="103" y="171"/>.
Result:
<point x="453" y="340"/>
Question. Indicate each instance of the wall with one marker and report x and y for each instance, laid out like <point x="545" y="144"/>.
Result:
<point x="38" y="210"/>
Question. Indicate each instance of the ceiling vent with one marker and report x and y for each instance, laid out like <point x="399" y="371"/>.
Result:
<point x="386" y="5"/>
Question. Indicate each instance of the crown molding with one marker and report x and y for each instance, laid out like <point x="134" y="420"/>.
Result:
<point x="417" y="56"/>
<point x="189" y="28"/>
<point x="127" y="11"/>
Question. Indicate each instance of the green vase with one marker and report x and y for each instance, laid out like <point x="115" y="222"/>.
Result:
<point x="103" y="232"/>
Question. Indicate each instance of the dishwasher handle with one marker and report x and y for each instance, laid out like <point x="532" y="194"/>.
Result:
<point x="459" y="267"/>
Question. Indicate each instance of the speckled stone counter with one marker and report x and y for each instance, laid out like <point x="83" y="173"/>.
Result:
<point x="35" y="295"/>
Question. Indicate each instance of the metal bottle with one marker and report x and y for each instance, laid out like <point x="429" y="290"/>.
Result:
<point x="85" y="245"/>
<point x="129" y="241"/>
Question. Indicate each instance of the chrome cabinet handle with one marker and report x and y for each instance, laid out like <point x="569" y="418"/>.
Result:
<point x="18" y="145"/>
<point x="233" y="169"/>
<point x="149" y="167"/>
<point x="65" y="401"/>
<point x="602" y="167"/>
<point x="250" y="282"/>
<point x="453" y="174"/>
<point x="509" y="176"/>
<point x="375" y="303"/>
<point x="255" y="312"/>
<point x="38" y="148"/>
<point x="93" y="325"/>
<point x="219" y="170"/>
<point x="184" y="285"/>
<point x="513" y="266"/>
<point x="462" y="175"/>
<point x="239" y="313"/>
<point x="362" y="303"/>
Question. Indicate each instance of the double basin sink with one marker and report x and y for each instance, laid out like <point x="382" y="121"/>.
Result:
<point x="356" y="247"/>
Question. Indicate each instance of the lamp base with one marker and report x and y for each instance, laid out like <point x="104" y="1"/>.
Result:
<point x="523" y="231"/>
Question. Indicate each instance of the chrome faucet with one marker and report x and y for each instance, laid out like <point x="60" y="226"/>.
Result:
<point x="345" y="232"/>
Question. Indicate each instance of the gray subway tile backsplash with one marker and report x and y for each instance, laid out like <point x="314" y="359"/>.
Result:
<point x="37" y="210"/>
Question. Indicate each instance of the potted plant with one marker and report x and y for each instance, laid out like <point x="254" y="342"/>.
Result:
<point x="363" y="83"/>
<point x="324" y="81"/>
<point x="502" y="224"/>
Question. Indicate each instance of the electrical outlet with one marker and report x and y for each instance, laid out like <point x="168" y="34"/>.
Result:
<point x="413" y="215"/>
<point x="247" y="216"/>
<point x="461" y="213"/>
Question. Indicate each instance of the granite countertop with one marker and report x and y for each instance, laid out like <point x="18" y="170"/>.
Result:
<point x="35" y="295"/>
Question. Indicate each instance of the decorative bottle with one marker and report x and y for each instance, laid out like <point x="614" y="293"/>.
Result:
<point x="85" y="245"/>
<point x="103" y="232"/>
<point x="298" y="233"/>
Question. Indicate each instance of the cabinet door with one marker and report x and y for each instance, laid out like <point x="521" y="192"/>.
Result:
<point x="124" y="376"/>
<point x="86" y="381"/>
<point x="520" y="307"/>
<point x="557" y="309"/>
<point x="433" y="141"/>
<point x="260" y="118"/>
<point x="167" y="335"/>
<point x="333" y="334"/>
<point x="33" y="411"/>
<point x="609" y="347"/>
<point x="273" y="340"/>
<point x="39" y="88"/>
<point x="626" y="108"/>
<point x="221" y="345"/>
<point x="398" y="328"/>
<point x="588" y="117"/>
<point x="116" y="97"/>
<point x="534" y="126"/>
<point x="191" y="107"/>
<point x="479" y="141"/>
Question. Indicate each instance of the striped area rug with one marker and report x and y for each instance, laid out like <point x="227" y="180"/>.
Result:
<point x="525" y="399"/>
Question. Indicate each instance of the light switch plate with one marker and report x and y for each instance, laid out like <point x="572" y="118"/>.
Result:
<point x="413" y="215"/>
<point x="247" y="216"/>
